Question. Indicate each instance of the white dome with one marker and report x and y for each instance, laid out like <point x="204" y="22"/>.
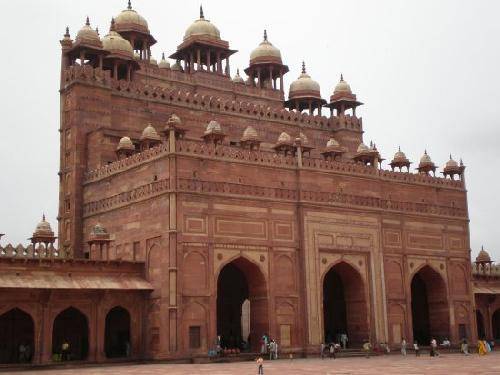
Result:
<point x="202" y="27"/>
<point x="332" y="142"/>
<point x="342" y="87"/>
<point x="213" y="126"/>
<point x="265" y="49"/>
<point x="363" y="148"/>
<point x="284" y="138"/>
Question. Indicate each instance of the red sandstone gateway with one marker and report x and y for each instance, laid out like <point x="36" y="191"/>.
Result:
<point x="200" y="213"/>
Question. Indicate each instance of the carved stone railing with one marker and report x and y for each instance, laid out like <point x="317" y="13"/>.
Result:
<point x="127" y="197"/>
<point x="37" y="252"/>
<point x="127" y="163"/>
<point x="486" y="270"/>
<point x="271" y="193"/>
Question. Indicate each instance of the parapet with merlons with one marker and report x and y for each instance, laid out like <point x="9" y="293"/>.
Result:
<point x="186" y="98"/>
<point x="40" y="251"/>
<point x="266" y="158"/>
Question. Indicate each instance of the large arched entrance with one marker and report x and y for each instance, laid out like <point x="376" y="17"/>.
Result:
<point x="17" y="337"/>
<point x="117" y="333"/>
<point x="70" y="335"/>
<point x="238" y="281"/>
<point x="495" y="325"/>
<point x="481" y="333"/>
<point x="344" y="305"/>
<point x="429" y="306"/>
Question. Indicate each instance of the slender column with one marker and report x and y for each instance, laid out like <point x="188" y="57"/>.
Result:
<point x="258" y="78"/>
<point x="297" y="105"/>
<point x="100" y="61"/>
<point x="115" y="70"/>
<point x="281" y="80"/>
<point x="228" y="72"/>
<point x="310" y="107"/>
<point x="219" y="63"/>
<point x="82" y="57"/>
<point x="208" y="60"/>
<point x="143" y="50"/>
<point x="271" y="75"/>
<point x="198" y="59"/>
<point x="191" y="61"/>
<point x="319" y="108"/>
<point x="129" y="71"/>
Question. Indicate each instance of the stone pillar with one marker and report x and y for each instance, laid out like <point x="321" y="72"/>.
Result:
<point x="172" y="239"/>
<point x="259" y="82"/>
<point x="228" y="69"/>
<point x="198" y="59"/>
<point x="281" y="80"/>
<point x="208" y="60"/>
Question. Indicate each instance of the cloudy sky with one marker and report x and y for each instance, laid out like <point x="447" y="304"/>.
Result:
<point x="427" y="71"/>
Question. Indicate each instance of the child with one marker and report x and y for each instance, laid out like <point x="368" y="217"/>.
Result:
<point x="417" y="349"/>
<point x="260" y="366"/>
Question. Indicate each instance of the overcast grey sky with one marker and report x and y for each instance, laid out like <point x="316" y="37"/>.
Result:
<point x="427" y="71"/>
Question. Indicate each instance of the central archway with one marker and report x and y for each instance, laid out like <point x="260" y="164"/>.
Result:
<point x="117" y="333"/>
<point x="429" y="306"/>
<point x="71" y="328"/>
<point x="239" y="281"/>
<point x="344" y="305"/>
<point x="17" y="337"/>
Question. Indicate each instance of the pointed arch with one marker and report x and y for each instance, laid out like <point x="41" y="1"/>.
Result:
<point x="117" y="333"/>
<point x="70" y="327"/>
<point x="17" y="330"/>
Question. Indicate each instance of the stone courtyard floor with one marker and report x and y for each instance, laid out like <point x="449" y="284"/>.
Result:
<point x="449" y="364"/>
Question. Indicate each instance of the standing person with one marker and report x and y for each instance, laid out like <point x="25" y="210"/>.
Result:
<point x="271" y="350"/>
<point x="322" y="350"/>
<point x="260" y="366"/>
<point x="344" y="339"/>
<point x="275" y="349"/>
<point x="481" y="348"/>
<point x="464" y="347"/>
<point x="65" y="350"/>
<point x="367" y="347"/>
<point x="416" y="348"/>
<point x="22" y="353"/>
<point x="403" y="347"/>
<point x="332" y="350"/>
<point x="434" y="352"/>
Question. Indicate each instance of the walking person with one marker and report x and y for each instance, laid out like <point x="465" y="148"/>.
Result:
<point x="367" y="348"/>
<point x="332" y="350"/>
<point x="344" y="339"/>
<point x="403" y="347"/>
<point x="260" y="366"/>
<point x="464" y="346"/>
<point x="322" y="350"/>
<point x="275" y="349"/>
<point x="416" y="348"/>
<point x="271" y="350"/>
<point x="434" y="352"/>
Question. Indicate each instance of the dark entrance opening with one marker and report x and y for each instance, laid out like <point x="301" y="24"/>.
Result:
<point x="429" y="307"/>
<point x="344" y="305"/>
<point x="495" y="325"/>
<point x="117" y="333"/>
<point x="71" y="328"/>
<point x="17" y="337"/>
<point x="238" y="281"/>
<point x="481" y="334"/>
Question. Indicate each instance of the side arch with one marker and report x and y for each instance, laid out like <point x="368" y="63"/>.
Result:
<point x="17" y="342"/>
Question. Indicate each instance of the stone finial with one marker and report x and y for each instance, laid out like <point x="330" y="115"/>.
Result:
<point x="112" y="25"/>
<point x="341" y="77"/>
<point x="303" y="67"/>
<point x="87" y="21"/>
<point x="201" y="12"/>
<point x="97" y="30"/>
<point x="66" y="35"/>
<point x="129" y="5"/>
<point x="265" y="35"/>
<point x="163" y="55"/>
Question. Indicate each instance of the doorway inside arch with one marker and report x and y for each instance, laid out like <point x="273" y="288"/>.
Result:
<point x="242" y="305"/>
<point x="17" y="337"/>
<point x="495" y="325"/>
<point x="70" y="336"/>
<point x="345" y="309"/>
<point x="481" y="333"/>
<point x="429" y="307"/>
<point x="117" y="333"/>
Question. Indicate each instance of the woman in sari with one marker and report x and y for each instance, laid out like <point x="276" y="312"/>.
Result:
<point x="481" y="348"/>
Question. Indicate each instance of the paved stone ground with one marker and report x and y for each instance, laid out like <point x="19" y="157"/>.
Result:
<point x="449" y="364"/>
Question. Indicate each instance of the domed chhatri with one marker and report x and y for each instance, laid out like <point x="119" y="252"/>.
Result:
<point x="400" y="160"/>
<point x="250" y="138"/>
<point x="174" y="125"/>
<point x="452" y="169"/>
<point x="426" y="165"/>
<point x="368" y="156"/>
<point x="116" y="45"/>
<point x="333" y="150"/>
<point x="237" y="78"/>
<point x="266" y="66"/>
<point x="202" y="27"/>
<point x="202" y="48"/>
<point x="343" y="99"/>
<point x="43" y="233"/>
<point x="125" y="148"/>
<point x="214" y="133"/>
<point x="483" y="256"/>
<point x="134" y="28"/>
<point x="305" y="94"/>
<point x="149" y="137"/>
<point x="285" y="144"/>
<point x="88" y="36"/>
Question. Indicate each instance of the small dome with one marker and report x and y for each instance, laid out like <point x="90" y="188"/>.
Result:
<point x="400" y="156"/>
<point x="250" y="133"/>
<point x="425" y="159"/>
<point x="284" y="138"/>
<point x="213" y="127"/>
<point x="87" y="35"/>
<point x="174" y="119"/>
<point x="342" y="87"/>
<point x="150" y="133"/>
<point x="265" y="50"/>
<point x="303" y="138"/>
<point x="363" y="148"/>
<point x="304" y="83"/>
<point x="202" y="27"/>
<point x="125" y="144"/>
<point x="164" y="64"/>
<point x="153" y="61"/>
<point x="130" y="19"/>
<point x="43" y="228"/>
<point x="116" y="45"/>
<point x="99" y="229"/>
<point x="237" y="78"/>
<point x="332" y="142"/>
<point x="483" y="256"/>
<point x="451" y="163"/>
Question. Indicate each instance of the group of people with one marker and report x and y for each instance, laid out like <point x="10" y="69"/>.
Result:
<point x="329" y="350"/>
<point x="269" y="346"/>
<point x="484" y="347"/>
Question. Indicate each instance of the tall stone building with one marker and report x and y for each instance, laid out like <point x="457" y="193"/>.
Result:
<point x="195" y="204"/>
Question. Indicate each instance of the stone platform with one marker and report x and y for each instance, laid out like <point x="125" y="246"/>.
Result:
<point x="446" y="364"/>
